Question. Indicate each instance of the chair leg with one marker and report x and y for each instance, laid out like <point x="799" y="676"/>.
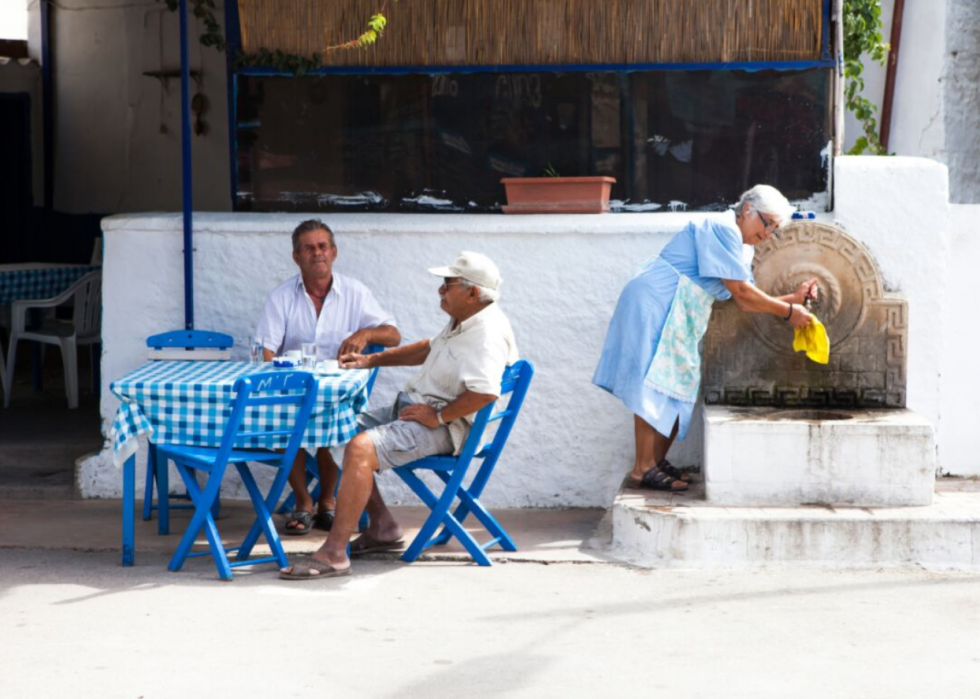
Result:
<point x="263" y="520"/>
<point x="440" y="515"/>
<point x="69" y="357"/>
<point x="11" y="359"/>
<point x="151" y="476"/>
<point x="202" y="519"/>
<point x="161" y="469"/>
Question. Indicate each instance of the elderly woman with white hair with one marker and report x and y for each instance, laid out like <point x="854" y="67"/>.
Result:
<point x="651" y="360"/>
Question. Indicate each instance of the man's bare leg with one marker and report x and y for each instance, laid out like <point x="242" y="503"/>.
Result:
<point x="297" y="481"/>
<point x="356" y="490"/>
<point x="328" y="479"/>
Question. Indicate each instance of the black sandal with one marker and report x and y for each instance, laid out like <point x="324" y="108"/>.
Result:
<point x="673" y="471"/>
<point x="323" y="520"/>
<point x="299" y="517"/>
<point x="657" y="479"/>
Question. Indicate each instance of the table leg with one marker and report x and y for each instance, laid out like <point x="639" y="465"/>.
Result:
<point x="129" y="506"/>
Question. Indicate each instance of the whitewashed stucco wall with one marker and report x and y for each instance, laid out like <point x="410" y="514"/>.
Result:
<point x="562" y="274"/>
<point x="24" y="77"/>
<point x="960" y="386"/>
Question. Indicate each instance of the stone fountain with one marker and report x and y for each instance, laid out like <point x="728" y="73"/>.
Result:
<point x="782" y="430"/>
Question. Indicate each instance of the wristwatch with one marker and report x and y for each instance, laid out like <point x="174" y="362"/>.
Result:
<point x="439" y="418"/>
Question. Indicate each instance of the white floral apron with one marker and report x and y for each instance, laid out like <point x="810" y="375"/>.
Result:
<point x="676" y="367"/>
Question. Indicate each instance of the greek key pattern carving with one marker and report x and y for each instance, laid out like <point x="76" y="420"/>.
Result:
<point x="749" y="361"/>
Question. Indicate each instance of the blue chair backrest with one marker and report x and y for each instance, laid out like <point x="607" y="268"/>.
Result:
<point x="515" y="383"/>
<point x="190" y="339"/>
<point x="277" y="388"/>
<point x="372" y="349"/>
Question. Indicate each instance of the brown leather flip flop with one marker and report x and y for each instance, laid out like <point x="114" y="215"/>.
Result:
<point x="366" y="543"/>
<point x="306" y="571"/>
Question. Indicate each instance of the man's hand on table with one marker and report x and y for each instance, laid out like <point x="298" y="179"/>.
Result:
<point x="355" y="343"/>
<point x="353" y="360"/>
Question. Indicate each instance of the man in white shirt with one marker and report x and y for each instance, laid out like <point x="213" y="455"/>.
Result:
<point x="340" y="315"/>
<point x="461" y="371"/>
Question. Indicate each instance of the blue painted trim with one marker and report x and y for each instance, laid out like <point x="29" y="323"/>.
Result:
<point x="47" y="106"/>
<point x="233" y="43"/>
<point x="825" y="52"/>
<point x="578" y="68"/>
<point x="188" y="190"/>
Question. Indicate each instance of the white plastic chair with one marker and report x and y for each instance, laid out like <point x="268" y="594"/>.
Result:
<point x="3" y="372"/>
<point x="83" y="329"/>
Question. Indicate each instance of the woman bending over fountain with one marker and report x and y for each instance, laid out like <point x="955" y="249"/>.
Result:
<point x="650" y="360"/>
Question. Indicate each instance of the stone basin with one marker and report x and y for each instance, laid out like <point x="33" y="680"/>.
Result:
<point x="787" y="457"/>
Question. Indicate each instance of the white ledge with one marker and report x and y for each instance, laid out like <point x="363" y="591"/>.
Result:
<point x="416" y="224"/>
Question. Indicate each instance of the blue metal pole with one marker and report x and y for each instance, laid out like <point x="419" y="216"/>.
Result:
<point x="233" y="42"/>
<point x="185" y="141"/>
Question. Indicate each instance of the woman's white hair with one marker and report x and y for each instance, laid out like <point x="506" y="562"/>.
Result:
<point x="486" y="295"/>
<point x="767" y="200"/>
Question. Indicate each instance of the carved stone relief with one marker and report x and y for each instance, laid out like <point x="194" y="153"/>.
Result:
<point x="749" y="358"/>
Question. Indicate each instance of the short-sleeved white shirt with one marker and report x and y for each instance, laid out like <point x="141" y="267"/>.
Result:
<point x="470" y="357"/>
<point x="289" y="318"/>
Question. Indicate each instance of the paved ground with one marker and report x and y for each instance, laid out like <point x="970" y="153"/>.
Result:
<point x="559" y="621"/>
<point x="75" y="624"/>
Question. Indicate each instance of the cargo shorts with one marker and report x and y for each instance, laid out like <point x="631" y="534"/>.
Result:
<point x="399" y="442"/>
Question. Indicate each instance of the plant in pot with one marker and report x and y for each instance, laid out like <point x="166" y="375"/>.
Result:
<point x="553" y="194"/>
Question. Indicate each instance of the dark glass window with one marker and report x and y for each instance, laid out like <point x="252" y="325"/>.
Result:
<point x="442" y="142"/>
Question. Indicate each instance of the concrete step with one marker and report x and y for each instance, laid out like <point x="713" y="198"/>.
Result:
<point x="40" y="471"/>
<point x="654" y="529"/>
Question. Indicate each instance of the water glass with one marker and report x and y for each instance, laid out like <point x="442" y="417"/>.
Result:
<point x="255" y="354"/>
<point x="308" y="350"/>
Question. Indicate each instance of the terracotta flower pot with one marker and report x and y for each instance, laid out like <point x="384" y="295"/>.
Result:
<point x="557" y="195"/>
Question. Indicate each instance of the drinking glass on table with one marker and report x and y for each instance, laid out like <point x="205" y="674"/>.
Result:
<point x="255" y="355"/>
<point x="308" y="354"/>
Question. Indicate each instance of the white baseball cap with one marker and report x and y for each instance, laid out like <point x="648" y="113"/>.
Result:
<point x="473" y="267"/>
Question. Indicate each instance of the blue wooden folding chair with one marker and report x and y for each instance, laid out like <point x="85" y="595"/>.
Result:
<point x="313" y="471"/>
<point x="452" y="470"/>
<point x="273" y="389"/>
<point x="177" y="345"/>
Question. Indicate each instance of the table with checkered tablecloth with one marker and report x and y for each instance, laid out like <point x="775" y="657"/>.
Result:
<point x="189" y="403"/>
<point x="36" y="280"/>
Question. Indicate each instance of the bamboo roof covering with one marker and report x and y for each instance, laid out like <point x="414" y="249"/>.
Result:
<point x="539" y="32"/>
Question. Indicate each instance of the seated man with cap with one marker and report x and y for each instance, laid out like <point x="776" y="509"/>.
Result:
<point x="340" y="315"/>
<point x="461" y="371"/>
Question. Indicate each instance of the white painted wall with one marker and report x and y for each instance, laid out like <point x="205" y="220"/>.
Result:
<point x="960" y="386"/>
<point x="562" y="275"/>
<point x="936" y="108"/>
<point x="24" y="77"/>
<point x="117" y="132"/>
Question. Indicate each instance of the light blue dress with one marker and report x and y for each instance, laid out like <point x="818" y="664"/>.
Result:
<point x="706" y="253"/>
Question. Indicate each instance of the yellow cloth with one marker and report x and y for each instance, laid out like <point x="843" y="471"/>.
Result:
<point x="813" y="340"/>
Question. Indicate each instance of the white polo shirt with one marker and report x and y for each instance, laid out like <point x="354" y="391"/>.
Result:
<point x="289" y="318"/>
<point x="470" y="357"/>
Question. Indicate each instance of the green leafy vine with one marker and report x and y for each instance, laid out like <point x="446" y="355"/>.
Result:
<point x="282" y="61"/>
<point x="862" y="36"/>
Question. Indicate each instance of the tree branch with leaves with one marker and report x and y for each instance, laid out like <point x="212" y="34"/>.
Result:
<point x="862" y="36"/>
<point x="287" y="62"/>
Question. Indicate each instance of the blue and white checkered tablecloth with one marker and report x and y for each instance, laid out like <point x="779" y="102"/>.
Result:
<point x="189" y="403"/>
<point x="33" y="281"/>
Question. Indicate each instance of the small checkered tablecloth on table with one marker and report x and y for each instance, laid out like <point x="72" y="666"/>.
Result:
<point x="35" y="280"/>
<point x="189" y="403"/>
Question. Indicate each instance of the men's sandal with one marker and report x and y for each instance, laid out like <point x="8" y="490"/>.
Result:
<point x="323" y="520"/>
<point x="299" y="517"/>
<point x="366" y="543"/>
<point x="313" y="570"/>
